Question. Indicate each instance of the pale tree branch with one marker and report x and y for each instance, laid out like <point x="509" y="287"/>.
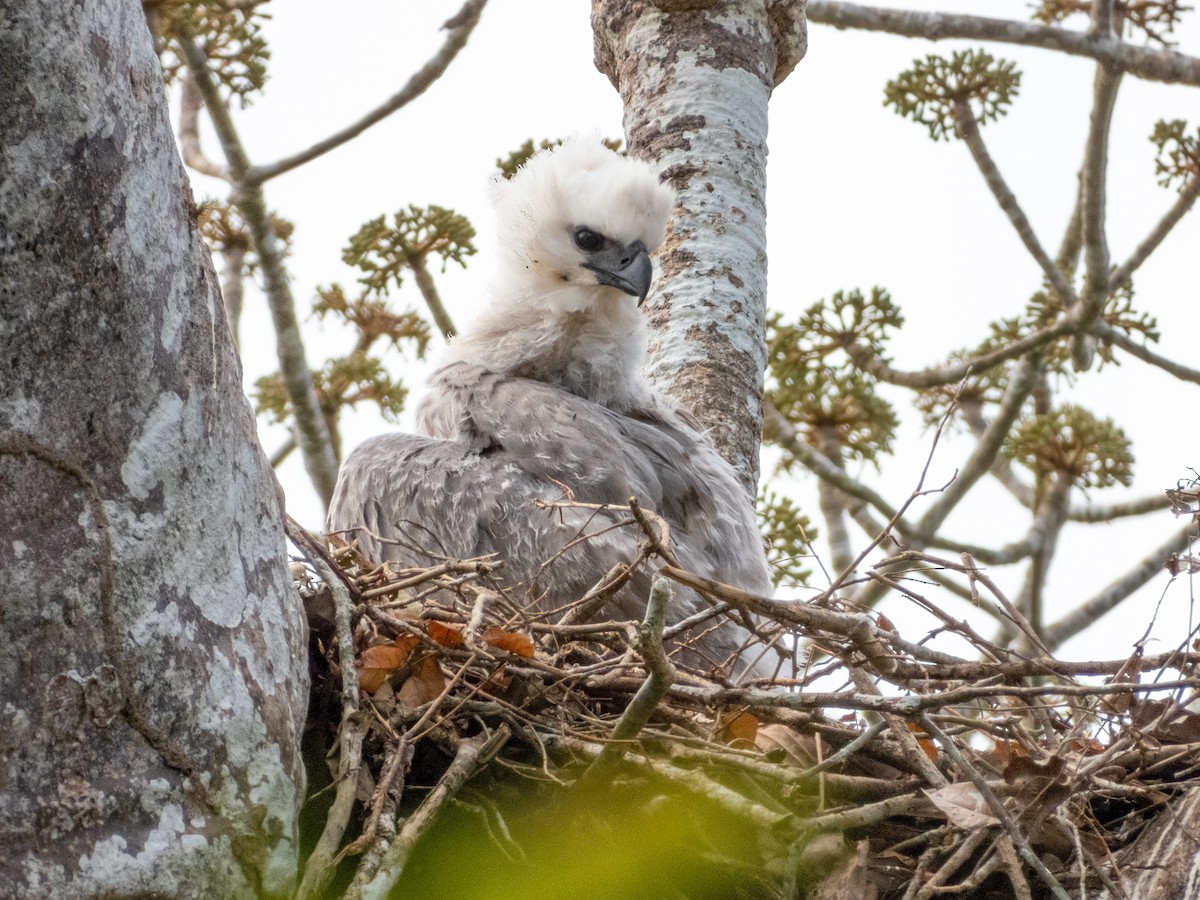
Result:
<point x="1181" y="206"/>
<point x="1118" y="338"/>
<point x="312" y="433"/>
<point x="833" y="504"/>
<point x="190" y="104"/>
<point x="951" y="373"/>
<point x="1096" y="287"/>
<point x="459" y="28"/>
<point x="1049" y="518"/>
<point x="968" y="130"/>
<point x="1140" y="62"/>
<point x="433" y="299"/>
<point x="1088" y="612"/>
<point x="233" y="278"/>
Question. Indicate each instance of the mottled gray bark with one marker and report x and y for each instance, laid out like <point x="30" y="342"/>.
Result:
<point x="153" y="674"/>
<point x="695" y="77"/>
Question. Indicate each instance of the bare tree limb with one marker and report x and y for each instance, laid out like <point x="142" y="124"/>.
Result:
<point x="1096" y="287"/>
<point x="459" y="28"/>
<point x="312" y="433"/>
<point x="190" y="104"/>
<point x="1088" y="612"/>
<point x="968" y="130"/>
<point x="1133" y="348"/>
<point x="1141" y="62"/>
<point x="1181" y="206"/>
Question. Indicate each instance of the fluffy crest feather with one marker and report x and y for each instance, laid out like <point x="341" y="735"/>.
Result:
<point x="556" y="311"/>
<point x="579" y="183"/>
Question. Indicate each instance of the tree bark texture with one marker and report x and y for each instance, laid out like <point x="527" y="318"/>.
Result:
<point x="695" y="77"/>
<point x="154" y="679"/>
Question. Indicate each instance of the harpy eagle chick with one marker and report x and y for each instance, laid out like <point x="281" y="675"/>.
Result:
<point x="542" y="393"/>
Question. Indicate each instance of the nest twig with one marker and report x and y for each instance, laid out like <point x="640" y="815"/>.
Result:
<point x="945" y="770"/>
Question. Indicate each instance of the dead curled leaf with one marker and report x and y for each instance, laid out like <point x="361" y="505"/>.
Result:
<point x="376" y="664"/>
<point x="446" y="635"/>
<point x="513" y="642"/>
<point x="424" y="684"/>
<point x="738" y="728"/>
<point x="963" y="806"/>
<point x="796" y="748"/>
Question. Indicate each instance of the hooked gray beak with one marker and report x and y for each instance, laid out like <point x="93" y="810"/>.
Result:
<point x="627" y="268"/>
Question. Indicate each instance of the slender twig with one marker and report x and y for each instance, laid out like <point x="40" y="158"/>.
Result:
<point x="1141" y="62"/>
<point x="459" y="28"/>
<point x="472" y="754"/>
<point x="312" y="433"/>
<point x="968" y="130"/>
<point x="659" y="675"/>
<point x="190" y="104"/>
<point x="998" y="809"/>
<point x="1183" y="203"/>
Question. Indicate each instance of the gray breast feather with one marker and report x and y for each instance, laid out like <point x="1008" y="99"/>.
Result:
<point x="500" y="443"/>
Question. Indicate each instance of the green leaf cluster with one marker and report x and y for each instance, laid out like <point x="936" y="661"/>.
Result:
<point x="229" y="34"/>
<point x="929" y="92"/>
<point x="224" y="229"/>
<point x="1073" y="443"/>
<point x="1178" y="157"/>
<point x="789" y="535"/>
<point x="382" y="252"/>
<point x="815" y="384"/>
<point x="1155" y="18"/>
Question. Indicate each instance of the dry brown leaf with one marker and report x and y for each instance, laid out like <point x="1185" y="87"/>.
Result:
<point x="963" y="805"/>
<point x="797" y="748"/>
<point x="511" y="641"/>
<point x="740" y="728"/>
<point x="425" y="684"/>
<point x="446" y="635"/>
<point x="885" y="624"/>
<point x="924" y="741"/>
<point x="376" y="664"/>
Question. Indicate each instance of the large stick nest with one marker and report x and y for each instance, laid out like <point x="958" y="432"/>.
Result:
<point x="479" y="749"/>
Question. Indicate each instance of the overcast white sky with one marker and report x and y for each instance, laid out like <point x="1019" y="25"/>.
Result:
<point x="857" y="197"/>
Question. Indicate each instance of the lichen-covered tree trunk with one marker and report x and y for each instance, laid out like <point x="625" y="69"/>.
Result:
<point x="152" y="681"/>
<point x="695" y="77"/>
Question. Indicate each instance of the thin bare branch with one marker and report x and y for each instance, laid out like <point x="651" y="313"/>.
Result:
<point x="312" y="433"/>
<point x="459" y="28"/>
<point x="968" y="130"/>
<point x="1088" y="612"/>
<point x="1141" y="62"/>
<point x="1183" y="203"/>
<point x="1120" y="339"/>
<point x="433" y="299"/>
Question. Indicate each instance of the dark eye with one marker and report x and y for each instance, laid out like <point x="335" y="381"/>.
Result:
<point x="588" y="241"/>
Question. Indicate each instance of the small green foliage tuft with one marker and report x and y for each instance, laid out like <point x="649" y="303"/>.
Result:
<point x="817" y="388"/>
<point x="1178" y="158"/>
<point x="382" y="252"/>
<point x="929" y="92"/>
<point x="1071" y="442"/>
<point x="372" y="318"/>
<point x="224" y="230"/>
<point x="789" y="534"/>
<point x="229" y="34"/>
<point x="508" y="165"/>
<point x="1155" y="18"/>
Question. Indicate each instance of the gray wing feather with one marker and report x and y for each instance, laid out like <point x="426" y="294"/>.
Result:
<point x="504" y="442"/>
